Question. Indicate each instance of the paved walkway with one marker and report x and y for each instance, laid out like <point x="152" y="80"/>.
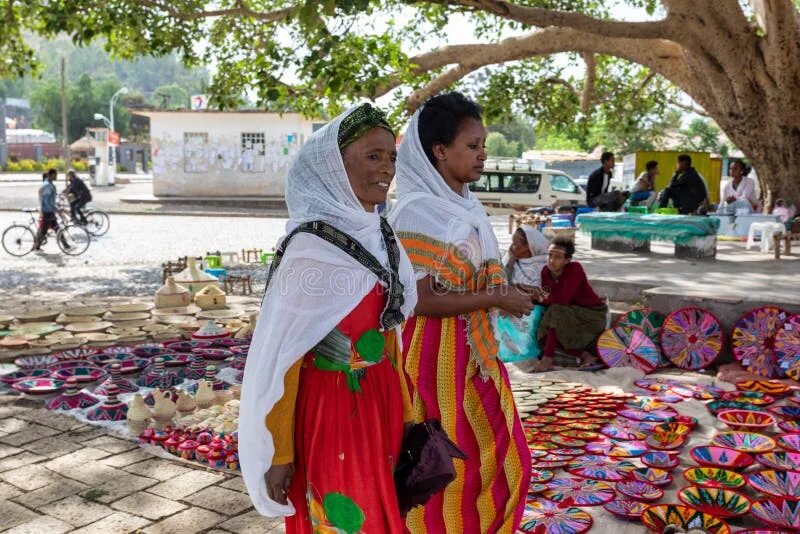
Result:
<point x="60" y="475"/>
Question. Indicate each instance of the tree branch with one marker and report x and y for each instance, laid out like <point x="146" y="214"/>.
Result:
<point x="240" y="11"/>
<point x="588" y="82"/>
<point x="663" y="57"/>
<point x="541" y="17"/>
<point x="689" y="108"/>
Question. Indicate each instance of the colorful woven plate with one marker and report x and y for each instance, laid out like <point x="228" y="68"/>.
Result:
<point x="665" y="441"/>
<point x="787" y="346"/>
<point x="787" y="412"/>
<point x="661" y="460"/>
<point x="785" y="461"/>
<point x="789" y="442"/>
<point x="774" y="388"/>
<point x="650" y="322"/>
<point x="624" y="346"/>
<point x="659" y="516"/>
<point x="784" y="484"/>
<point x="642" y="491"/>
<point x="129" y="366"/>
<point x="541" y="475"/>
<point x="83" y="375"/>
<point x="578" y="492"/>
<point x="599" y="467"/>
<point x="35" y="362"/>
<point x="714" y="477"/>
<point x="744" y="441"/>
<point x="691" y="338"/>
<point x="752" y="397"/>
<point x="10" y="378"/>
<point x="746" y="420"/>
<point x="753" y="340"/>
<point x="647" y="403"/>
<point x="545" y="517"/>
<point x="617" y="449"/>
<point x="623" y="431"/>
<point x="75" y="354"/>
<point x="626" y="509"/>
<point x="38" y="386"/>
<point x="789" y="426"/>
<point x="721" y="405"/>
<point x="655" y="416"/>
<point x="717" y="502"/>
<point x="778" y="513"/>
<point x="711" y="456"/>
<point x="659" y="477"/>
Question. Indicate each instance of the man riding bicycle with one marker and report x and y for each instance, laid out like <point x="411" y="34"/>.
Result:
<point x="79" y="195"/>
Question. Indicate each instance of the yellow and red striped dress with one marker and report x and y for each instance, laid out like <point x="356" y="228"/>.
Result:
<point x="454" y="375"/>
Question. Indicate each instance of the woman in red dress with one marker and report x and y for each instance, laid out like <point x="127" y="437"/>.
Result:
<point x="324" y="400"/>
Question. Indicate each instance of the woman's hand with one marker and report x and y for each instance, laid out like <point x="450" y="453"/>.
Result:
<point x="516" y="301"/>
<point x="278" y="479"/>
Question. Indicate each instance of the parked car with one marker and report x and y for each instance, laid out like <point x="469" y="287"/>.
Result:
<point x="509" y="185"/>
<point x="515" y="185"/>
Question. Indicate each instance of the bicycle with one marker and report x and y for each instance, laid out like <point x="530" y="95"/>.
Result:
<point x="97" y="221"/>
<point x="20" y="239"/>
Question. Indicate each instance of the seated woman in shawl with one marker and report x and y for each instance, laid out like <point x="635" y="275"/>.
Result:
<point x="524" y="262"/>
<point x="450" y="346"/>
<point x="575" y="314"/>
<point x="324" y="399"/>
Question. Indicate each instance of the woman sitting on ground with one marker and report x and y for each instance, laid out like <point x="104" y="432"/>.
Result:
<point x="575" y="314"/>
<point x="524" y="262"/>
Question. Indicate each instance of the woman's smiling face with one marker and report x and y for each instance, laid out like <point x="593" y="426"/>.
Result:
<point x="370" y="165"/>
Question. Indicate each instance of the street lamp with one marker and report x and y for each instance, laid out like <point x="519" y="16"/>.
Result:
<point x="101" y="117"/>
<point x="122" y="91"/>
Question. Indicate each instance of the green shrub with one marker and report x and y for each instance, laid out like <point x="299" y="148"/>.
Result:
<point x="27" y="165"/>
<point x="80" y="165"/>
<point x="12" y="166"/>
<point x="122" y="168"/>
<point x="57" y="164"/>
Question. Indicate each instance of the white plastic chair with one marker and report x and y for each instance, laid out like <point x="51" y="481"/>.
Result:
<point x="768" y="231"/>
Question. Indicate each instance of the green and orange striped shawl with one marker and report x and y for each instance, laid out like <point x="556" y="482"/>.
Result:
<point x="454" y="271"/>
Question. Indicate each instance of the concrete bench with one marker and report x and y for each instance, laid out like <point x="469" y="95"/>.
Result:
<point x="694" y="237"/>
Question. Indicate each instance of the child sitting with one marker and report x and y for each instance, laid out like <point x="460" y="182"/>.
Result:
<point x="524" y="262"/>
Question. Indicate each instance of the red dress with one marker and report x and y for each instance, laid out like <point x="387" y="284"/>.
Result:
<point x="348" y="434"/>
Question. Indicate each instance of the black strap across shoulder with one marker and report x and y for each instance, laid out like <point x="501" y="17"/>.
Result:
<point x="391" y="315"/>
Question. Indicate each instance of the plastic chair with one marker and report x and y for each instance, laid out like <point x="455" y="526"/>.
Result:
<point x="638" y="209"/>
<point x="667" y="211"/>
<point x="213" y="261"/>
<point x="768" y="231"/>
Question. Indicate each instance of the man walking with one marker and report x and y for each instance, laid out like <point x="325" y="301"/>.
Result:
<point x="687" y="190"/>
<point x="47" y="207"/>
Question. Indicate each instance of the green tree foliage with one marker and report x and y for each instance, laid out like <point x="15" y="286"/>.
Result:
<point x="704" y="136"/>
<point x="171" y="96"/>
<point x="84" y="99"/>
<point x="498" y="145"/>
<point x="518" y="129"/>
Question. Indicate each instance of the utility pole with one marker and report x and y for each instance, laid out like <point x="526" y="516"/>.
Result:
<point x="64" y="146"/>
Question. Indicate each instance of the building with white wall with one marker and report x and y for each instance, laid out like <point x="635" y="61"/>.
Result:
<point x="223" y="154"/>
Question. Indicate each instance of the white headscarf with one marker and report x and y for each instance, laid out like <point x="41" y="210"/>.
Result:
<point x="530" y="269"/>
<point x="426" y="204"/>
<point x="316" y="286"/>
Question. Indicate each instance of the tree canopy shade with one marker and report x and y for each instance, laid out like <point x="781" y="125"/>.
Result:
<point x="738" y="60"/>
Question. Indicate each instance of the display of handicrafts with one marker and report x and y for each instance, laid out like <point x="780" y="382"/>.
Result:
<point x="753" y="340"/>
<point x="691" y="338"/>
